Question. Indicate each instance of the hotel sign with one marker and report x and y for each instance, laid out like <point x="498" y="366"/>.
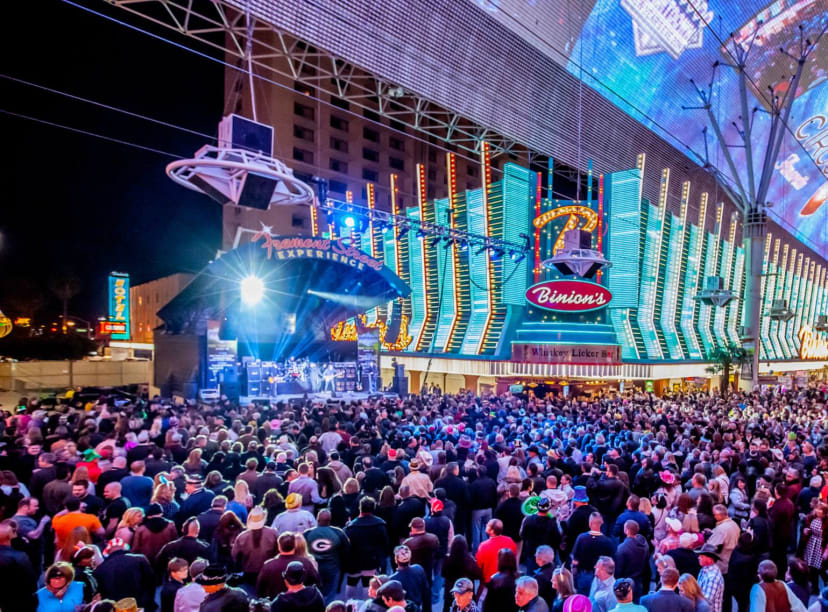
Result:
<point x="568" y="295"/>
<point x="119" y="303"/>
<point x="580" y="354"/>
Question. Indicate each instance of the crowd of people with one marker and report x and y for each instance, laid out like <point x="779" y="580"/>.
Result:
<point x="462" y="502"/>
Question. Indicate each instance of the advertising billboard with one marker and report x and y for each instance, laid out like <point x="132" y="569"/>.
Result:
<point x="119" y="303"/>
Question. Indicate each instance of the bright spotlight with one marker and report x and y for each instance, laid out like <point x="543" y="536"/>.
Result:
<point x="349" y="221"/>
<point x="252" y="290"/>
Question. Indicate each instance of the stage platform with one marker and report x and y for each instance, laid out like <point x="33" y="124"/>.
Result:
<point x="321" y="396"/>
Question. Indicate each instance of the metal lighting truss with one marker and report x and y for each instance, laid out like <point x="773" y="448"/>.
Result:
<point x="747" y="190"/>
<point x="224" y="25"/>
<point x="386" y="219"/>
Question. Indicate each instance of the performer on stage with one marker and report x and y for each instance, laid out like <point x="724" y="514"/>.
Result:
<point x="328" y="375"/>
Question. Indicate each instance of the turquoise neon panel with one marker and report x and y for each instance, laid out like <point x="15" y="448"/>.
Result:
<point x="778" y="281"/>
<point x="808" y="294"/>
<point x="479" y="274"/>
<point x="418" y="288"/>
<point x="783" y="292"/>
<point x="519" y="186"/>
<point x="447" y="283"/>
<point x="790" y="295"/>
<point x="691" y="288"/>
<point x="768" y="335"/>
<point x="720" y="314"/>
<point x="648" y="294"/>
<point x="672" y="280"/>
<point x="733" y="309"/>
<point x="798" y="307"/>
<point x="622" y="191"/>
<point x="705" y="311"/>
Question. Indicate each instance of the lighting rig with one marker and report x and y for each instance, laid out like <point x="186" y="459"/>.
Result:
<point x="356" y="217"/>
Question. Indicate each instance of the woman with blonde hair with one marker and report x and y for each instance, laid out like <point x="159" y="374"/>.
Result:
<point x="301" y="549"/>
<point x="194" y="463"/>
<point x="164" y="495"/>
<point x="242" y="501"/>
<point x="689" y="588"/>
<point x="564" y="586"/>
<point x="130" y="521"/>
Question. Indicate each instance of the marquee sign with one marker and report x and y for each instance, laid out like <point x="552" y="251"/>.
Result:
<point x="119" y="303"/>
<point x="568" y="295"/>
<point x="339" y="250"/>
<point x="581" y="354"/>
<point x="813" y="345"/>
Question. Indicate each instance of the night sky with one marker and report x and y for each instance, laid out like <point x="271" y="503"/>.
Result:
<point x="71" y="204"/>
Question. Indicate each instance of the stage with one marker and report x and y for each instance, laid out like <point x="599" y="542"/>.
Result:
<point x="321" y="396"/>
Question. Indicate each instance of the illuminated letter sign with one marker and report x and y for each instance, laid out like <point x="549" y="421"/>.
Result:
<point x="813" y="344"/>
<point x="119" y="303"/>
<point x="568" y="295"/>
<point x="573" y="212"/>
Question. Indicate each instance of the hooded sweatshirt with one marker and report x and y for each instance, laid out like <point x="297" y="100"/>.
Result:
<point x="152" y="535"/>
<point x="632" y="558"/>
<point x="308" y="599"/>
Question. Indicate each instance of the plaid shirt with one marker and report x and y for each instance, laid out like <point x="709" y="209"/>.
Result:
<point x="712" y="586"/>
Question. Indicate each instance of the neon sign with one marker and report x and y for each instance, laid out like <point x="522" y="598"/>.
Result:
<point x="339" y="250"/>
<point x="671" y="26"/>
<point x="346" y="331"/>
<point x="813" y="345"/>
<point x="119" y="303"/>
<point x="568" y="295"/>
<point x="575" y="213"/>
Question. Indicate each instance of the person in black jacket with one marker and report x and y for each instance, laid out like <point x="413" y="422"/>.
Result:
<point x="123" y="574"/>
<point x="457" y="491"/>
<point x="609" y="493"/>
<point x="460" y="563"/>
<point x="177" y="571"/>
<point x="632" y="558"/>
<point x="545" y="562"/>
<point x="188" y="547"/>
<point x="510" y="513"/>
<point x="578" y="522"/>
<point x="220" y="597"/>
<point x="209" y="519"/>
<point x="408" y="509"/>
<point x="15" y="569"/>
<point x="369" y="543"/>
<point x="482" y="501"/>
<point x="538" y="530"/>
<point x="413" y="579"/>
<point x="500" y="590"/>
<point x="298" y="597"/>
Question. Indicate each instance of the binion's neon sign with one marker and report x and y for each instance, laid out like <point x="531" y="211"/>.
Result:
<point x="813" y="345"/>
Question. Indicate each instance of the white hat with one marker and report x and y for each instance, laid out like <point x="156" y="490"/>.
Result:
<point x="673" y="524"/>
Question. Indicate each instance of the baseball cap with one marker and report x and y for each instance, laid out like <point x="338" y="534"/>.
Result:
<point x="463" y="585"/>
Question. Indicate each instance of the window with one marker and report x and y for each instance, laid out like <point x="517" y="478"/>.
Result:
<point x="369" y="114"/>
<point x="370" y="175"/>
<point x="302" y="155"/>
<point x="340" y="103"/>
<point x="397" y="144"/>
<point x="338" y="166"/>
<point x="302" y="133"/>
<point x="297" y="221"/>
<point x="396" y="163"/>
<point x="338" y="123"/>
<point x="301" y="110"/>
<point x="369" y="134"/>
<point x="337" y="186"/>
<point x="370" y="154"/>
<point x="337" y="144"/>
<point x="304" y="88"/>
<point x="396" y="125"/>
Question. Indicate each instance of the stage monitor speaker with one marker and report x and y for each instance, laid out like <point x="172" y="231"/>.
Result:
<point x="400" y="385"/>
<point x="242" y="133"/>
<point x="591" y="271"/>
<point x="257" y="191"/>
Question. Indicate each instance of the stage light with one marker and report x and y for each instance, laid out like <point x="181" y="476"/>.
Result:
<point x="349" y="221"/>
<point x="252" y="290"/>
<point x="481" y="250"/>
<point x="421" y="234"/>
<point x="403" y="231"/>
<point x="513" y="255"/>
<point x="496" y="253"/>
<point x="464" y="245"/>
<point x="521" y="257"/>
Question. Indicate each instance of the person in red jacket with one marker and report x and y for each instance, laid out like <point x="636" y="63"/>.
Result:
<point x="487" y="551"/>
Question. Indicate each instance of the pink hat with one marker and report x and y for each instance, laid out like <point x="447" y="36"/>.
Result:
<point x="577" y="603"/>
<point x="392" y="454"/>
<point x="667" y="477"/>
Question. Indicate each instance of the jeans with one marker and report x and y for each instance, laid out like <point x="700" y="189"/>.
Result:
<point x="583" y="581"/>
<point x="437" y="582"/>
<point x="479" y="518"/>
<point x="329" y="581"/>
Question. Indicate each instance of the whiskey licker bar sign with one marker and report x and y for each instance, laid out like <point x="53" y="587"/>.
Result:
<point x="568" y="295"/>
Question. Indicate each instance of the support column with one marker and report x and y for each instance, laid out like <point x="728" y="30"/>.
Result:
<point x="754" y="245"/>
<point x="470" y="382"/>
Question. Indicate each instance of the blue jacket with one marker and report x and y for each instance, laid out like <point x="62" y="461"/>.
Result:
<point x="666" y="601"/>
<point x="72" y="599"/>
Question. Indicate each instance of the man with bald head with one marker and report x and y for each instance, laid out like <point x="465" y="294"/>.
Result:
<point x="115" y="507"/>
<point x="113" y="473"/>
<point x="16" y="569"/>
<point x="487" y="551"/>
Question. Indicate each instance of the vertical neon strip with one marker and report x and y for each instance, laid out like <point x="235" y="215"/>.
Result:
<point x="451" y="176"/>
<point x="395" y="212"/>
<point x="600" y="239"/>
<point x="421" y="198"/>
<point x="486" y="173"/>
<point x="372" y="203"/>
<point x="536" y="269"/>
<point x="349" y="197"/>
<point x="314" y="220"/>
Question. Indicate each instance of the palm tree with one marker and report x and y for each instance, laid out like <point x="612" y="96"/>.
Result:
<point x="724" y="357"/>
<point x="65" y="286"/>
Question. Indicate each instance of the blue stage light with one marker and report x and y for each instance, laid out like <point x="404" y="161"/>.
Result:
<point x="252" y="290"/>
<point x="349" y="221"/>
